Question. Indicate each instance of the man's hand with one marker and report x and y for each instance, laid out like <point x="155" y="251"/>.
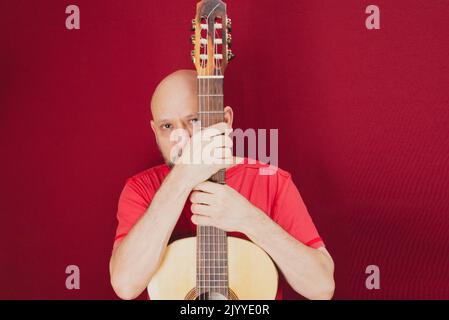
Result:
<point x="309" y="271"/>
<point x="223" y="207"/>
<point x="206" y="152"/>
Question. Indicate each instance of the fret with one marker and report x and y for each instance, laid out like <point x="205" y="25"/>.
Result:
<point x="213" y="280"/>
<point x="212" y="247"/>
<point x="211" y="267"/>
<point x="210" y="95"/>
<point x="218" y="285"/>
<point x="219" y="273"/>
<point x="214" y="263"/>
<point x="216" y="252"/>
<point x="212" y="236"/>
<point x="215" y="112"/>
<point x="210" y="77"/>
<point x="212" y="286"/>
<point x="207" y="251"/>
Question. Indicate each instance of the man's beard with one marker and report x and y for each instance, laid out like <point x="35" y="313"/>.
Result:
<point x="169" y="162"/>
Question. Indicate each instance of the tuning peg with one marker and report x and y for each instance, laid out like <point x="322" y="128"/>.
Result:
<point x="229" y="24"/>
<point x="193" y="28"/>
<point x="231" y="55"/>
<point x="192" y="39"/>
<point x="192" y="55"/>
<point x="229" y="39"/>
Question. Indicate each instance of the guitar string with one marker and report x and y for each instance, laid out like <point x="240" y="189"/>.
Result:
<point x="207" y="125"/>
<point x="218" y="240"/>
<point x="214" y="230"/>
<point x="202" y="242"/>
<point x="217" y="177"/>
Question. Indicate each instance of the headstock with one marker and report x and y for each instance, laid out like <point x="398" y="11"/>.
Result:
<point x="212" y="38"/>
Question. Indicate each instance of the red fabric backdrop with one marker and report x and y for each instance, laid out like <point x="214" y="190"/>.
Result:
<point x="362" y="116"/>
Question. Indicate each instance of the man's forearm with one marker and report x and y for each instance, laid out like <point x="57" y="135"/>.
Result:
<point x="137" y="257"/>
<point x="309" y="271"/>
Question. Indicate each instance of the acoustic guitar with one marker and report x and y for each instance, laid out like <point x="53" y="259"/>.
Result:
<point x="213" y="266"/>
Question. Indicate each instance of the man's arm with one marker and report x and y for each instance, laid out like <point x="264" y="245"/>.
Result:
<point x="309" y="271"/>
<point x="137" y="257"/>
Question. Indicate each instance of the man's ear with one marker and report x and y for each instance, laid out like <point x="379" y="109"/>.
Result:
<point x="153" y="127"/>
<point x="228" y="116"/>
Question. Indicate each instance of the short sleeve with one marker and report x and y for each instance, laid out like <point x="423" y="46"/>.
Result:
<point x="291" y="213"/>
<point x="132" y="205"/>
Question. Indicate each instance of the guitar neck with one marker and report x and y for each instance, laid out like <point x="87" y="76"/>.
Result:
<point x="212" y="247"/>
<point x="211" y="109"/>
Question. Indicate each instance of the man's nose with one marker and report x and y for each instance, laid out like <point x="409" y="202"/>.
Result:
<point x="188" y="128"/>
<point x="184" y="130"/>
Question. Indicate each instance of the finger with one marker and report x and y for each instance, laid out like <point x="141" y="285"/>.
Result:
<point x="199" y="208"/>
<point x="220" y="154"/>
<point x="200" y="197"/>
<point x="202" y="220"/>
<point x="196" y="126"/>
<point x="222" y="141"/>
<point x="209" y="187"/>
<point x="221" y="126"/>
<point x="216" y="130"/>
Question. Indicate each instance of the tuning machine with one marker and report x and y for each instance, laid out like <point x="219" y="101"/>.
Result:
<point x="229" y="24"/>
<point x="229" y="39"/>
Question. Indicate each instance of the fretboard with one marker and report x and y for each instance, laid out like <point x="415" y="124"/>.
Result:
<point x="212" y="246"/>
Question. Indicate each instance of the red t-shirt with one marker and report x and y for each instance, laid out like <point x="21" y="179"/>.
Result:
<point x="275" y="194"/>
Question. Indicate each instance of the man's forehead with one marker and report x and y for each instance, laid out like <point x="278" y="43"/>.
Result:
<point x="175" y="95"/>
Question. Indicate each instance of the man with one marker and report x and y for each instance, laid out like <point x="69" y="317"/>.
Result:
<point x="166" y="203"/>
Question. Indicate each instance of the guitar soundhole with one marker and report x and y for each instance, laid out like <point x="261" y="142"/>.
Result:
<point x="211" y="296"/>
<point x="192" y="295"/>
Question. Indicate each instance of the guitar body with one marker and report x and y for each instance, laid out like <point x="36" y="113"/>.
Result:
<point x="252" y="273"/>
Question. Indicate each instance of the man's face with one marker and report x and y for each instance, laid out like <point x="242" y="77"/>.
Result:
<point x="175" y="113"/>
<point x="174" y="107"/>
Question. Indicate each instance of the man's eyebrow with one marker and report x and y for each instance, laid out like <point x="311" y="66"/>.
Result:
<point x="192" y="115"/>
<point x="163" y="120"/>
<point x="185" y="117"/>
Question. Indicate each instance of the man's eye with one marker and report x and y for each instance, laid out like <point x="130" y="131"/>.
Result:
<point x="194" y="120"/>
<point x="166" y="126"/>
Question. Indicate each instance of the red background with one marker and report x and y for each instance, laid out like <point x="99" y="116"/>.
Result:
<point x="362" y="115"/>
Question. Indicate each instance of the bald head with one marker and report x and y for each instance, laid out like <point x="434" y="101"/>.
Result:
<point x="177" y="88"/>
